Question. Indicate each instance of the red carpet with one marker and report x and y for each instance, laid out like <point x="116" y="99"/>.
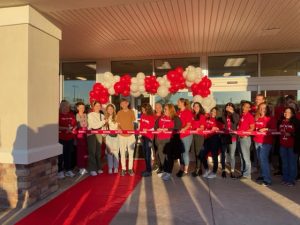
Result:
<point x="95" y="200"/>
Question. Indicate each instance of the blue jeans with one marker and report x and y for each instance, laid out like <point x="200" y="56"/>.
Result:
<point x="147" y="144"/>
<point x="289" y="164"/>
<point x="263" y="152"/>
<point x="187" y="142"/>
<point x="232" y="149"/>
<point x="245" y="144"/>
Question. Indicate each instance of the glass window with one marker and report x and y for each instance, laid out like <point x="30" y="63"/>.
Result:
<point x="79" y="78"/>
<point x="280" y="64"/>
<point x="173" y="98"/>
<point x="162" y="66"/>
<point x="132" y="67"/>
<point x="228" y="66"/>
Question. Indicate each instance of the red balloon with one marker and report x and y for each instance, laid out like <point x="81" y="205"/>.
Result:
<point x="179" y="70"/>
<point x="97" y="86"/>
<point x="118" y="87"/>
<point x="126" y="93"/>
<point x="171" y="75"/>
<point x="126" y="78"/>
<point x="194" y="87"/>
<point x="92" y="94"/>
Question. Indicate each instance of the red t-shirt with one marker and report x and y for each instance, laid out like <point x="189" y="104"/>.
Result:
<point x="186" y="116"/>
<point x="66" y="120"/>
<point x="210" y="123"/>
<point x="245" y="121"/>
<point x="286" y="127"/>
<point x="165" y="122"/>
<point x="197" y="123"/>
<point x="264" y="122"/>
<point x="228" y="121"/>
<point x="147" y="122"/>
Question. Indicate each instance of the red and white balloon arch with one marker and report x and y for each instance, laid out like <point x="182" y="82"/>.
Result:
<point x="125" y="85"/>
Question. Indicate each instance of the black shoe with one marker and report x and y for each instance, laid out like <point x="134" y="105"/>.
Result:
<point x="259" y="179"/>
<point x="200" y="172"/>
<point x="266" y="184"/>
<point x="180" y="173"/>
<point x="123" y="172"/>
<point x="224" y="174"/>
<point x="146" y="174"/>
<point x="195" y="173"/>
<point x="232" y="176"/>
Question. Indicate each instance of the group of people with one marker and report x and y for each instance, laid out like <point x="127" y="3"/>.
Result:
<point x="177" y="143"/>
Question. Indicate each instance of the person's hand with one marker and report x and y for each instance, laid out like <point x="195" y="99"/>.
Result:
<point x="215" y="129"/>
<point x="263" y="130"/>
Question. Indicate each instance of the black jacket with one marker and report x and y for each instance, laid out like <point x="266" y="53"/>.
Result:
<point x="234" y="118"/>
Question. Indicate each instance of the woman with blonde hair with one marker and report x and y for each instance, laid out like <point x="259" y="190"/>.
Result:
<point x="112" y="140"/>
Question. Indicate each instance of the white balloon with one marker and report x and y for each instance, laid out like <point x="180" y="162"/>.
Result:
<point x="198" y="98"/>
<point x="162" y="91"/>
<point x="161" y="81"/>
<point x="141" y="81"/>
<point x="190" y="68"/>
<point x="167" y="84"/>
<point x="191" y="76"/>
<point x="208" y="103"/>
<point x="140" y="75"/>
<point x="111" y="91"/>
<point x="134" y="80"/>
<point x="197" y="80"/>
<point x="188" y="84"/>
<point x="134" y="87"/>
<point x="117" y="78"/>
<point x="108" y="76"/>
<point x="142" y="88"/>
<point x="184" y="74"/>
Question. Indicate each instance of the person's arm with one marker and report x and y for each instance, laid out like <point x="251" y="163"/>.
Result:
<point x="177" y="124"/>
<point x="94" y="122"/>
<point x="235" y="119"/>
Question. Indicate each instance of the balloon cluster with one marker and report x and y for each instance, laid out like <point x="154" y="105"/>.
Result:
<point x="151" y="84"/>
<point x="176" y="79"/>
<point x="123" y="86"/>
<point x="99" y="93"/>
<point x="202" y="88"/>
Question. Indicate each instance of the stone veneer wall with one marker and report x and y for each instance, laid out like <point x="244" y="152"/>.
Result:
<point x="23" y="185"/>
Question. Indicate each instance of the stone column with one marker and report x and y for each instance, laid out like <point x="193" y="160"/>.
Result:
<point x="29" y="93"/>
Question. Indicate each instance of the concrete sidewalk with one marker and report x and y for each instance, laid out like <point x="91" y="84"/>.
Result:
<point x="198" y="201"/>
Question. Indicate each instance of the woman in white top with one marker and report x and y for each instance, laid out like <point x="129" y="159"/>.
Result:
<point x="95" y="121"/>
<point x="112" y="140"/>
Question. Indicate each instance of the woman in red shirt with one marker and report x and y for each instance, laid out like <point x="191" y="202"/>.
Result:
<point x="147" y="123"/>
<point x="167" y="151"/>
<point x="66" y="123"/>
<point x="263" y="143"/>
<point x="212" y="144"/>
<point x="287" y="127"/>
<point x="186" y="116"/>
<point x="198" y="123"/>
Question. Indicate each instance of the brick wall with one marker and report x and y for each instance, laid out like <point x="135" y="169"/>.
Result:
<point x="23" y="185"/>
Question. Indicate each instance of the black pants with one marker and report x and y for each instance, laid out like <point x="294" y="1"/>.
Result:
<point x="168" y="164"/>
<point x="196" y="147"/>
<point x="212" y="144"/>
<point x="147" y="144"/>
<point x="65" y="159"/>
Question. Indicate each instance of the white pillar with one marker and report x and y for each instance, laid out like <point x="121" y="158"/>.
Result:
<point x="29" y="93"/>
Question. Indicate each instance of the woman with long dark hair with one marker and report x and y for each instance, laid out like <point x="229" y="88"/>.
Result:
<point x="230" y="120"/>
<point x="198" y="124"/>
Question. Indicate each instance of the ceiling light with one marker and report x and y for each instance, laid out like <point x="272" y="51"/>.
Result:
<point x="165" y="66"/>
<point x="81" y="78"/>
<point x="226" y="74"/>
<point x="92" y="66"/>
<point x="234" y="62"/>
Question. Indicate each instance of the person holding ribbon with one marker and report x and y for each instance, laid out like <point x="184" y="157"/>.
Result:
<point x="230" y="121"/>
<point x="198" y="124"/>
<point x="112" y="140"/>
<point x="66" y="124"/>
<point x="288" y="127"/>
<point x="186" y="116"/>
<point x="263" y="142"/>
<point x="147" y="122"/>
<point x="96" y="121"/>
<point x="212" y="144"/>
<point x="81" y="139"/>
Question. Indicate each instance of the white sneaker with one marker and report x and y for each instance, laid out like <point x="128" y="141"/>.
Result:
<point x="69" y="174"/>
<point x="109" y="171"/>
<point x="166" y="177"/>
<point x="161" y="174"/>
<point x="116" y="170"/>
<point x="206" y="173"/>
<point x="82" y="171"/>
<point x="100" y="171"/>
<point x="93" y="173"/>
<point x="211" y="175"/>
<point x="61" y="175"/>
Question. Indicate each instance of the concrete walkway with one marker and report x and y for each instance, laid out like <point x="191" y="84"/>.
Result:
<point x="198" y="201"/>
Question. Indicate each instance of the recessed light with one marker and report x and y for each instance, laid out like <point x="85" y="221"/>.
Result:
<point x="234" y="62"/>
<point x="81" y="78"/>
<point x="226" y="74"/>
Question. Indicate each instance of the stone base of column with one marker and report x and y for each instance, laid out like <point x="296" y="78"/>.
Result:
<point x="23" y="185"/>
